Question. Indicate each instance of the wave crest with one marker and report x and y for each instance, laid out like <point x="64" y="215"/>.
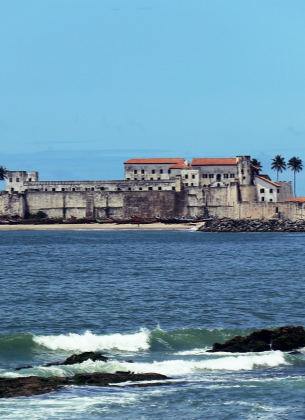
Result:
<point x="92" y="342"/>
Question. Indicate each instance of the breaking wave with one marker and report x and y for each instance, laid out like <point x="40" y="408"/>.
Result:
<point x="174" y="368"/>
<point x="92" y="342"/>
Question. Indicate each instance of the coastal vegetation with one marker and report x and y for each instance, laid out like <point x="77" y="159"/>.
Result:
<point x="3" y="172"/>
<point x="296" y="165"/>
<point x="257" y="163"/>
<point x="278" y="165"/>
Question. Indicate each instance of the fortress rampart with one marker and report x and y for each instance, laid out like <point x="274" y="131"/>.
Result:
<point x="226" y="187"/>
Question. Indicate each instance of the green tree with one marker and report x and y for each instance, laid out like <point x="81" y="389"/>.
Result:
<point x="3" y="172"/>
<point x="278" y="164"/>
<point x="257" y="163"/>
<point x="296" y="165"/>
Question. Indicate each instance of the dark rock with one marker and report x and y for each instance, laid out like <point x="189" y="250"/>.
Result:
<point x="82" y="357"/>
<point x="283" y="338"/>
<point x="33" y="385"/>
<point x="253" y="225"/>
<point x="72" y="360"/>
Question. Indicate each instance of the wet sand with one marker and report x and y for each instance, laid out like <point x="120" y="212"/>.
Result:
<point x="106" y="226"/>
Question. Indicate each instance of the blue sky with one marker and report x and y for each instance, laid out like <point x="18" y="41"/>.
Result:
<point x="88" y="84"/>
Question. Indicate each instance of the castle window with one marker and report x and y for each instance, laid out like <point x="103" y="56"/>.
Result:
<point x="63" y="189"/>
<point x="159" y="179"/>
<point x="169" y="171"/>
<point x="276" y="209"/>
<point x="244" y="177"/>
<point x="135" y="178"/>
<point x="119" y="189"/>
<point x="150" y="188"/>
<point x="129" y="189"/>
<point x="262" y="190"/>
<point x="192" y="184"/>
<point x="242" y="171"/>
<point x="270" y="199"/>
<point x="143" y="179"/>
<point x="30" y="179"/>
<point x="159" y="188"/>
<point x="278" y="190"/>
<point x="73" y="189"/>
<point x="263" y="199"/>
<point x="140" y="188"/>
<point x="186" y="176"/>
<point x="211" y="175"/>
<point x="46" y="189"/>
<point x="92" y="189"/>
<point x="151" y="179"/>
<point x="102" y="188"/>
<point x="127" y="179"/>
<point x="173" y="188"/>
<point x="193" y="176"/>
<point x="135" y="171"/>
<point x="11" y="179"/>
<point x="53" y="189"/>
<point x="271" y="190"/>
<point x="232" y="175"/>
<point x="142" y="171"/>
<point x="218" y="185"/>
<point x="204" y="175"/>
<point x="161" y="171"/>
<point x="186" y="184"/>
<point x="12" y="189"/>
<point x="17" y="179"/>
<point x="153" y="171"/>
<point x="226" y="175"/>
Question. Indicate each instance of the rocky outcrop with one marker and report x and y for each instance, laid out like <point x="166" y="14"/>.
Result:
<point x="75" y="358"/>
<point x="284" y="338"/>
<point x="253" y="225"/>
<point x="34" y="385"/>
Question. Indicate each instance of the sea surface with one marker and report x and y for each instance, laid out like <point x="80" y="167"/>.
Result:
<point x="160" y="299"/>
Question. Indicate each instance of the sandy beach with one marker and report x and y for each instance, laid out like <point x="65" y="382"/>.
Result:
<point x="106" y="226"/>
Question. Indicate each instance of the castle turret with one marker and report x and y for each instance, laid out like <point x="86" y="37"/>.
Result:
<point x="15" y="180"/>
<point x="244" y="170"/>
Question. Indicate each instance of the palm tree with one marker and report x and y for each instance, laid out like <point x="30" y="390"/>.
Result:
<point x="296" y="165"/>
<point x="256" y="162"/>
<point x="3" y="172"/>
<point x="278" y="164"/>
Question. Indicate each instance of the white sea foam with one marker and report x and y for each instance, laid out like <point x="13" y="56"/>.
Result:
<point x="92" y="342"/>
<point x="232" y="363"/>
<point x="174" y="368"/>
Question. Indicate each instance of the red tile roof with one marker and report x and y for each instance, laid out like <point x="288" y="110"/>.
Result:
<point x="179" y="165"/>
<point x="156" y="160"/>
<point x="267" y="180"/>
<point x="297" y="200"/>
<point x="213" y="161"/>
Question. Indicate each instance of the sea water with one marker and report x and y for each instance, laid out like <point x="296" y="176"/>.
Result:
<point x="160" y="299"/>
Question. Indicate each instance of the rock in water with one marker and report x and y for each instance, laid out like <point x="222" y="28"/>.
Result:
<point x="82" y="357"/>
<point x="284" y="338"/>
<point x="72" y="360"/>
<point x="33" y="385"/>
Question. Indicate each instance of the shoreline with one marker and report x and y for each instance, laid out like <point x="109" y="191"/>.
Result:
<point x="106" y="226"/>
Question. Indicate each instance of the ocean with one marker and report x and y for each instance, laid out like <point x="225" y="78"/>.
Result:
<point x="161" y="299"/>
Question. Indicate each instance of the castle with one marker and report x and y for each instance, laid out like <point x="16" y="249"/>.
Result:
<point x="221" y="187"/>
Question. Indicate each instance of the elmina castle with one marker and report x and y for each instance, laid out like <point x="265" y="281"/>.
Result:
<point x="210" y="187"/>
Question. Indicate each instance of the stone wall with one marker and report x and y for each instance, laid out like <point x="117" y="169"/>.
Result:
<point x="11" y="204"/>
<point x="215" y="202"/>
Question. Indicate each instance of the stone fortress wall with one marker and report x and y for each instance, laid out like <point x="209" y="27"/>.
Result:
<point x="227" y="187"/>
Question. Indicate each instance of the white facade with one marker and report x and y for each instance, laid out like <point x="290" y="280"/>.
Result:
<point x="15" y="180"/>
<point x="267" y="190"/>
